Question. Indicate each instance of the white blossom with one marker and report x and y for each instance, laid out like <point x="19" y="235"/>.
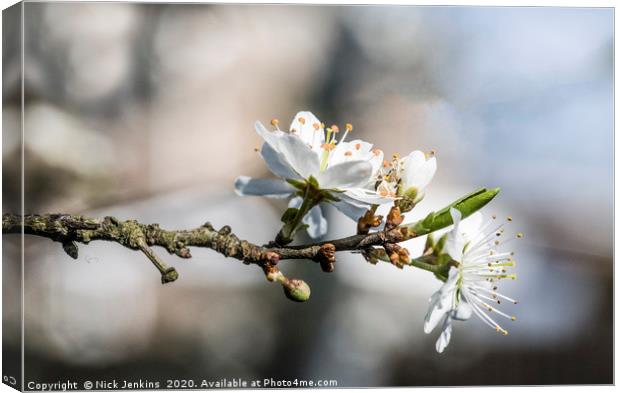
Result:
<point x="310" y="150"/>
<point x="417" y="172"/>
<point x="471" y="287"/>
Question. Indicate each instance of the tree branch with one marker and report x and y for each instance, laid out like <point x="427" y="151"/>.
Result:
<point x="71" y="229"/>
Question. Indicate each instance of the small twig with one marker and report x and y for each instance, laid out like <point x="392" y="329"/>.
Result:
<point x="71" y="229"/>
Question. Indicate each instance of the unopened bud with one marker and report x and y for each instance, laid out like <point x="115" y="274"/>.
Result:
<point x="296" y="290"/>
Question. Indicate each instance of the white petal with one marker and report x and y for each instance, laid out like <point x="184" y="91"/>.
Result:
<point x="317" y="224"/>
<point x="277" y="163"/>
<point x="295" y="202"/>
<point x="271" y="137"/>
<point x="418" y="171"/>
<point x="470" y="228"/>
<point x="463" y="311"/>
<point x="299" y="155"/>
<point x="306" y="131"/>
<point x="455" y="242"/>
<point x="346" y="175"/>
<point x="444" y="337"/>
<point x="441" y="302"/>
<point x="367" y="196"/>
<point x="356" y="150"/>
<point x="350" y="207"/>
<point x="272" y="188"/>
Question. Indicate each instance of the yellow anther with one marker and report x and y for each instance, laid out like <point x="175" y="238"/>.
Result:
<point x="513" y="318"/>
<point x="256" y="149"/>
<point x="335" y="128"/>
<point x="395" y="156"/>
<point x="505" y="332"/>
<point x="275" y="122"/>
<point x="429" y="154"/>
<point x="348" y="127"/>
<point x="509" y="218"/>
<point x="520" y="235"/>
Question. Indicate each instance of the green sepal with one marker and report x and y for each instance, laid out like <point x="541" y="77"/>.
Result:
<point x="289" y="214"/>
<point x="466" y="205"/>
<point x="313" y="182"/>
<point x="329" y="196"/>
<point x="430" y="243"/>
<point x="444" y="261"/>
<point x="298" y="184"/>
<point x="438" y="248"/>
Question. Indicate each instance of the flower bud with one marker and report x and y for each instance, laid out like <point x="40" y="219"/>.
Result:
<point x="296" y="290"/>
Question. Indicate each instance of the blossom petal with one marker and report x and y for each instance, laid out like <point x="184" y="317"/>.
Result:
<point x="271" y="188"/>
<point x="463" y="311"/>
<point x="367" y="196"/>
<point x="454" y="243"/>
<point x="317" y="224"/>
<point x="306" y="131"/>
<point x="418" y="171"/>
<point x="277" y="163"/>
<point x="350" y="207"/>
<point x="444" y="337"/>
<point x="299" y="155"/>
<point x="346" y="175"/>
<point x="441" y="302"/>
<point x="271" y="137"/>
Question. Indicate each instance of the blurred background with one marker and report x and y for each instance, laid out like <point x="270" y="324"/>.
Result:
<point x="146" y="111"/>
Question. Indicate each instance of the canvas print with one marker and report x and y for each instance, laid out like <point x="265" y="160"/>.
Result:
<point x="206" y="196"/>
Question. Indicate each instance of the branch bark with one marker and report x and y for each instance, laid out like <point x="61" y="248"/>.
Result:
<point x="71" y="229"/>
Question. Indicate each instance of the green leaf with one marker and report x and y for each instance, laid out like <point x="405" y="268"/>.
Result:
<point x="467" y="205"/>
<point x="289" y="214"/>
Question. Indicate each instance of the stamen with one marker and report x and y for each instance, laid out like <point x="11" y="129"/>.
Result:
<point x="275" y="122"/>
<point x="335" y="129"/>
